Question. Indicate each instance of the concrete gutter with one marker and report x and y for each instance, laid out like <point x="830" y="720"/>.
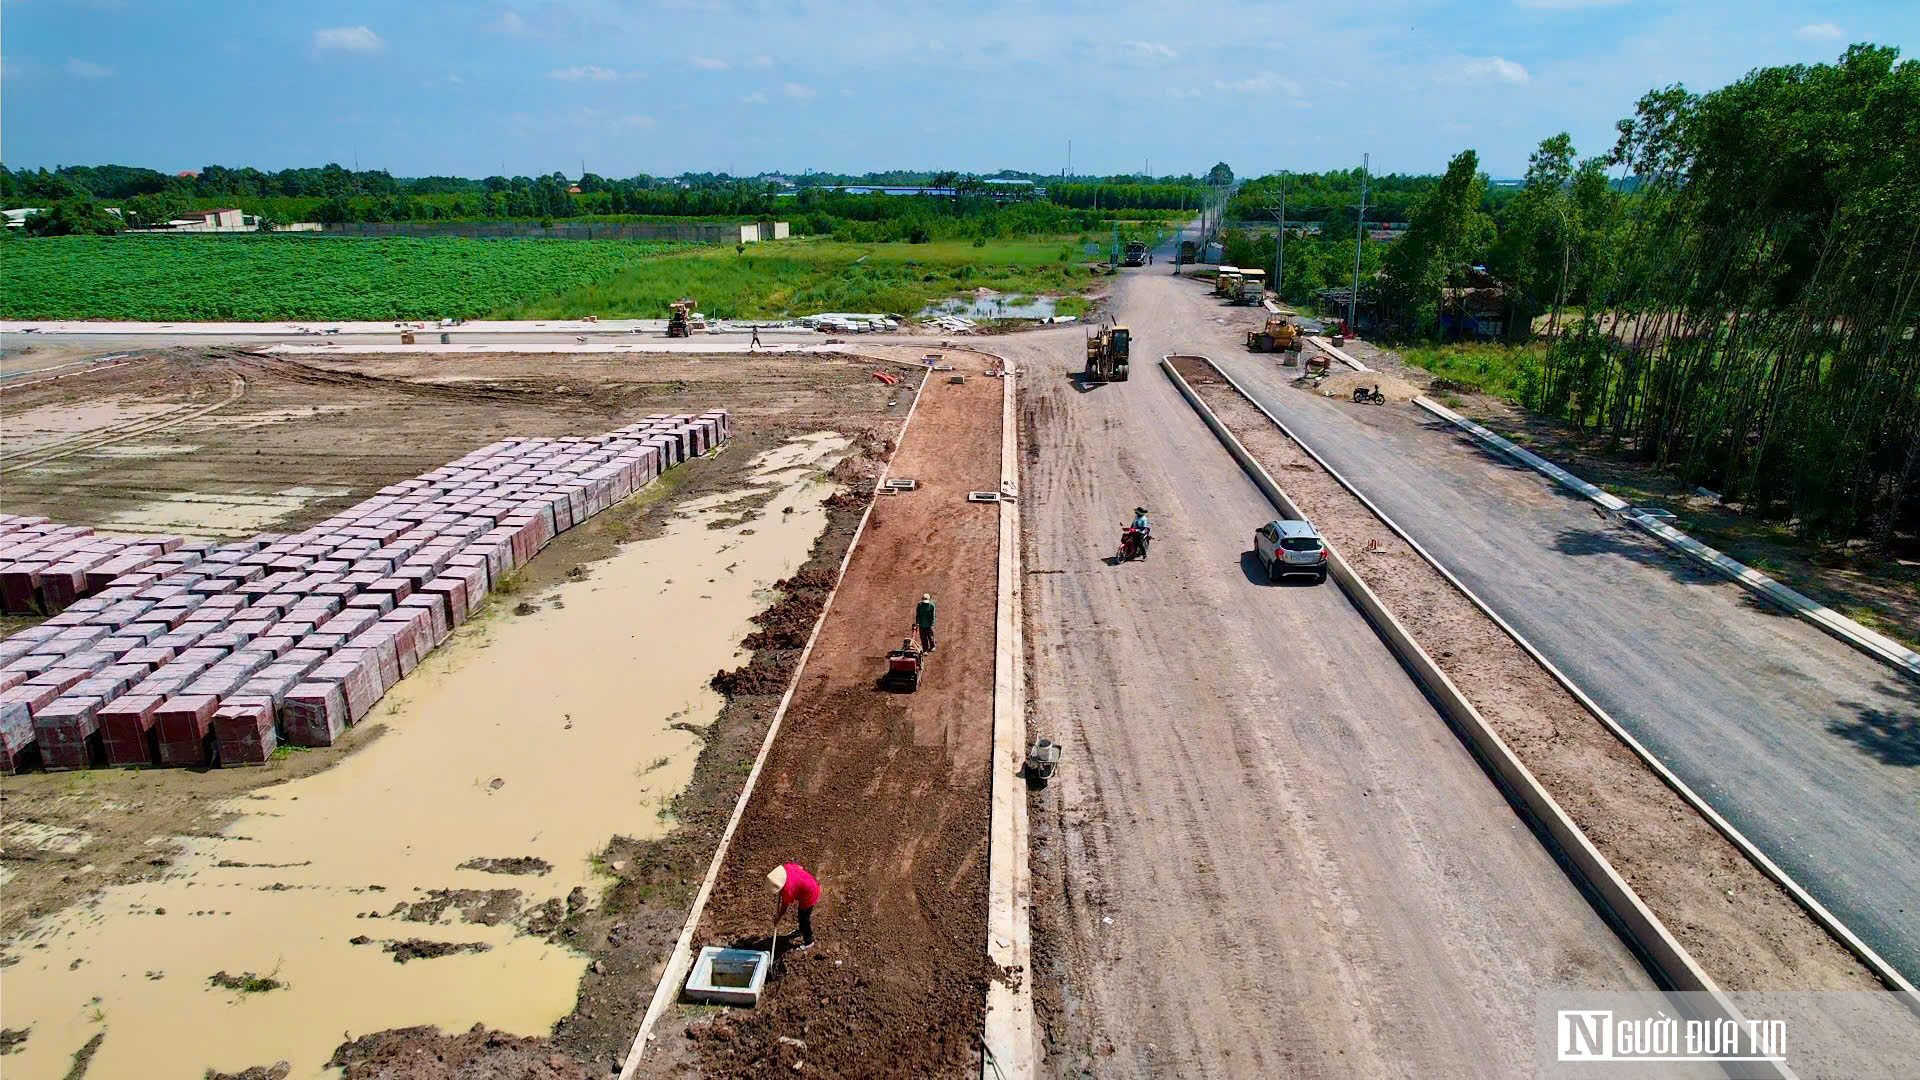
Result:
<point x="1008" y="1039"/>
<point x="675" y="973"/>
<point x="1642" y="929"/>
<point x="1874" y="962"/>
<point x="1876" y="645"/>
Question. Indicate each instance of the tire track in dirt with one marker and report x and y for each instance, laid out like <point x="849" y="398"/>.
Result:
<point x="236" y="389"/>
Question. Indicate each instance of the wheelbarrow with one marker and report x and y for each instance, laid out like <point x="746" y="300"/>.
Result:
<point x="1042" y="758"/>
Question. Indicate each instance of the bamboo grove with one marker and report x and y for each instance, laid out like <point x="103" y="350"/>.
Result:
<point x="1753" y="324"/>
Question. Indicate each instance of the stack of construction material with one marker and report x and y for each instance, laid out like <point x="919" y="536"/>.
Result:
<point x="186" y="653"/>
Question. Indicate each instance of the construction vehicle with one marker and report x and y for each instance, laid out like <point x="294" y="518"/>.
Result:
<point x="903" y="668"/>
<point x="1189" y="253"/>
<point x="1222" y="276"/>
<point x="680" y="323"/>
<point x="1136" y="254"/>
<point x="1253" y="287"/>
<point x="1107" y="354"/>
<point x="1279" y="335"/>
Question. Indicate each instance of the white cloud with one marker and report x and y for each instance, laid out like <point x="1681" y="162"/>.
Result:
<point x="584" y="73"/>
<point x="511" y="24"/>
<point x="1490" y="69"/>
<point x="1825" y="31"/>
<point x="1185" y="92"/>
<point x="801" y="91"/>
<point x="759" y="62"/>
<point x="640" y="122"/>
<point x="358" y="39"/>
<point x="708" y="63"/>
<point x="1150" y="50"/>
<point x="755" y="98"/>
<point x="1566" y="5"/>
<point x="453" y="79"/>
<point x="1264" y="82"/>
<point x="87" y="69"/>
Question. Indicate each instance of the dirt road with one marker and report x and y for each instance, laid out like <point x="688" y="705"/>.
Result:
<point x="1266" y="853"/>
<point x="1810" y="748"/>
<point x="883" y="796"/>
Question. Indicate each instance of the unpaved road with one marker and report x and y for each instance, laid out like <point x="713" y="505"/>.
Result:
<point x="1810" y="748"/>
<point x="1265" y="854"/>
<point x="883" y="795"/>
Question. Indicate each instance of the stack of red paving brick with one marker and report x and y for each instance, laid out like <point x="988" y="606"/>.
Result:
<point x="170" y="652"/>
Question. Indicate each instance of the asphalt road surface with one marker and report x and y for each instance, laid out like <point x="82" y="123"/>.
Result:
<point x="1269" y="854"/>
<point x="1807" y="746"/>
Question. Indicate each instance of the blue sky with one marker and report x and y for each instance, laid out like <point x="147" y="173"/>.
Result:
<point x="533" y="86"/>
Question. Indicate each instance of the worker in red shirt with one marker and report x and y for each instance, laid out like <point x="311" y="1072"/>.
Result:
<point x="798" y="888"/>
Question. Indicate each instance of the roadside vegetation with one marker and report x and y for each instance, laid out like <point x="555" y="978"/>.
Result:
<point x="1730" y="294"/>
<point x="795" y="277"/>
<point x="266" y="278"/>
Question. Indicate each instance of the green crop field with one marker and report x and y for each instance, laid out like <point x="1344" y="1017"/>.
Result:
<point x="807" y="276"/>
<point x="265" y="278"/>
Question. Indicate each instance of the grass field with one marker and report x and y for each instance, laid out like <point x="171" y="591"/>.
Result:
<point x="266" y="278"/>
<point x="795" y="277"/>
<point x="1494" y="369"/>
<point x="262" y="278"/>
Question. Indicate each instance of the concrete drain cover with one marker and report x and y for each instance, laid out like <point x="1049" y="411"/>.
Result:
<point x="729" y="976"/>
<point x="903" y="484"/>
<point x="983" y="496"/>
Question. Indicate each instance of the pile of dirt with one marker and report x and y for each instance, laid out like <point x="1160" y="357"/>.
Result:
<point x="279" y="1070"/>
<point x="1342" y="384"/>
<point x="784" y="626"/>
<point x="423" y="1053"/>
<point x="423" y="949"/>
<point x="522" y="864"/>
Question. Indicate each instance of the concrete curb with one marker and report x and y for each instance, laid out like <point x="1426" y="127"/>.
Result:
<point x="668" y="989"/>
<point x="1325" y="346"/>
<point x="1008" y="1037"/>
<point x="1876" y="645"/>
<point x="1641" y="928"/>
<point x="1831" y="923"/>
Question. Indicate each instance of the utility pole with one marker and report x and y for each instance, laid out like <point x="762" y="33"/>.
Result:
<point x="1359" y="235"/>
<point x="1280" y="238"/>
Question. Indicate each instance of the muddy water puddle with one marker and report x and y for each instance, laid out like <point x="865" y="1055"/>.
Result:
<point x="525" y="740"/>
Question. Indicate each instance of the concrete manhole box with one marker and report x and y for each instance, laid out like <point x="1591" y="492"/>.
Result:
<point x="728" y="976"/>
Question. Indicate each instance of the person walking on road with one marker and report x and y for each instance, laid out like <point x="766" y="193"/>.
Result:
<point x="754" y="345"/>
<point x="799" y="889"/>
<point x="923" y="619"/>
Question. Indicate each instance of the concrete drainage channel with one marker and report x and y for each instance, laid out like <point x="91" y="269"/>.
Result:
<point x="1625" y="908"/>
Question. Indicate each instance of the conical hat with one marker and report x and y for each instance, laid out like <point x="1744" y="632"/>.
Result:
<point x="778" y="876"/>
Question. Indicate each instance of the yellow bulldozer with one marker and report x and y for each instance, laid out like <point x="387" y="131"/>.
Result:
<point x="680" y="323"/>
<point x="1279" y="335"/>
<point x="1107" y="354"/>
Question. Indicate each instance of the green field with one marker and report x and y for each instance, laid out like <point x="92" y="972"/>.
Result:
<point x="270" y="278"/>
<point x="1499" y="370"/>
<point x="266" y="278"/>
<point x="797" y="277"/>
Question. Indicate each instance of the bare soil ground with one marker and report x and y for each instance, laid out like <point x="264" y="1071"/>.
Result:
<point x="883" y="795"/>
<point x="404" y="422"/>
<point x="1879" y="590"/>
<point x="1741" y="927"/>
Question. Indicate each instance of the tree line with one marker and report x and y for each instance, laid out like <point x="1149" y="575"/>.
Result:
<point x="1745" y="310"/>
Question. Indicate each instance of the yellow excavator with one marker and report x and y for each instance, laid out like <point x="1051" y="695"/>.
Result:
<point x="1107" y="354"/>
<point x="680" y="324"/>
<point x="1279" y="335"/>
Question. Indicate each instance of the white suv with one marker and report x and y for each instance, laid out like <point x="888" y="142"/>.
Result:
<point x="1291" y="547"/>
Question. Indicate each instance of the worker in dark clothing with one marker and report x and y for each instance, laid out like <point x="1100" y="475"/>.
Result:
<point x="923" y="619"/>
<point x="755" y="343"/>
